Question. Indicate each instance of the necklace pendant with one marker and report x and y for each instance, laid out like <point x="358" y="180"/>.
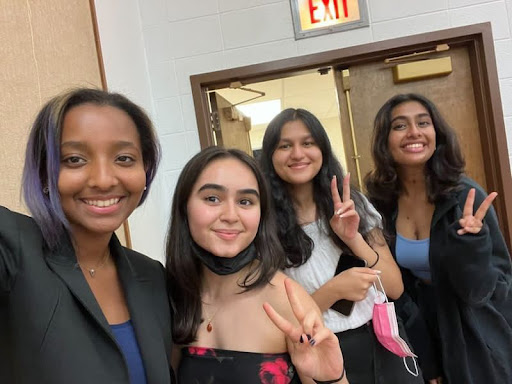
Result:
<point x="209" y="327"/>
<point x="92" y="272"/>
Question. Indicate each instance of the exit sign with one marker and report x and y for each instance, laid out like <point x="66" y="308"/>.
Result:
<point x="318" y="17"/>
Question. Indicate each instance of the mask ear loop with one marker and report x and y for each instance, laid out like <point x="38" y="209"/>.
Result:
<point x="415" y="366"/>
<point x="382" y="287"/>
<point x="403" y="358"/>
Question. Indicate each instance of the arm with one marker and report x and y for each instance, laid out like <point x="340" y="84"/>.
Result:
<point x="476" y="259"/>
<point x="175" y="359"/>
<point x="354" y="283"/>
<point x="9" y="242"/>
<point x="391" y="277"/>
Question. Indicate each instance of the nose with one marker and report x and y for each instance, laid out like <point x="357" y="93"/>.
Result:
<point x="297" y="152"/>
<point x="413" y="130"/>
<point x="229" y="212"/>
<point x="102" y="175"/>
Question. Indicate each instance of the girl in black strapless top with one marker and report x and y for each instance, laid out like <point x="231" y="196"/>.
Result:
<point x="237" y="318"/>
<point x="208" y="365"/>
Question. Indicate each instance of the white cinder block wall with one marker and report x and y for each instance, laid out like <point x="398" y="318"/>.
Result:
<point x="151" y="47"/>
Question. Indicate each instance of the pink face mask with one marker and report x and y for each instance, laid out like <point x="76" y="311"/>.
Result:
<point x="385" y="326"/>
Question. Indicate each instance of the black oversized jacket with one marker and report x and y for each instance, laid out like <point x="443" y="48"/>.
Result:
<point x="52" y="330"/>
<point x="472" y="277"/>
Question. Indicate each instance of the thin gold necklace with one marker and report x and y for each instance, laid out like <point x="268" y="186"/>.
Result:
<point x="92" y="271"/>
<point x="209" y="326"/>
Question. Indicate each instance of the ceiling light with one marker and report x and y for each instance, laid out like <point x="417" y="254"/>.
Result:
<point x="262" y="112"/>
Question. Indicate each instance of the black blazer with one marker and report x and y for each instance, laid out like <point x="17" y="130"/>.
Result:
<point x="52" y="329"/>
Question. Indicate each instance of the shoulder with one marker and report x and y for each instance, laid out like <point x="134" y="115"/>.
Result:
<point x="14" y="226"/>
<point x="465" y="185"/>
<point x="144" y="265"/>
<point x="9" y="218"/>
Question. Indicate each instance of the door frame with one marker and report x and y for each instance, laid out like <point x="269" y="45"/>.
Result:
<point x="476" y="38"/>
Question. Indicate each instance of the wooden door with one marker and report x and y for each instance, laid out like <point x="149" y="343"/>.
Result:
<point x="372" y="84"/>
<point x="231" y="127"/>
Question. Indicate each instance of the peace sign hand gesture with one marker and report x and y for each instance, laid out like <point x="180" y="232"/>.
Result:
<point x="345" y="221"/>
<point x="313" y="348"/>
<point x="473" y="223"/>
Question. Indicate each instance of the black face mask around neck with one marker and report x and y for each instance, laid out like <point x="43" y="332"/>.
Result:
<point x="224" y="265"/>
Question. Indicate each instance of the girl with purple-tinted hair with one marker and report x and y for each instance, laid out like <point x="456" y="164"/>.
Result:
<point x="76" y="306"/>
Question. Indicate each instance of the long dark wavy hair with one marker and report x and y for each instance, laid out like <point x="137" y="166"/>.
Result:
<point x="184" y="269"/>
<point x="296" y="243"/>
<point x="442" y="171"/>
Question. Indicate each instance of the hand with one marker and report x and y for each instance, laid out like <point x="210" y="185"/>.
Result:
<point x="473" y="223"/>
<point x="439" y="380"/>
<point x="353" y="283"/>
<point x="317" y="356"/>
<point x="345" y="221"/>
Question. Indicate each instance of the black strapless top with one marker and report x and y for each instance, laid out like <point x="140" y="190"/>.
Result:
<point x="219" y="366"/>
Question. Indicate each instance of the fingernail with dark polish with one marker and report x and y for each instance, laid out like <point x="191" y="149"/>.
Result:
<point x="309" y="336"/>
<point x="312" y="342"/>
<point x="301" y="339"/>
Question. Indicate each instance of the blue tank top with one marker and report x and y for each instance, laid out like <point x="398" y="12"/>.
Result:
<point x="413" y="255"/>
<point x="125" y="336"/>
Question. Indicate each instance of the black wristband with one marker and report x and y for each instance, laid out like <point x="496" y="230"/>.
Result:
<point x="332" y="381"/>
<point x="376" y="261"/>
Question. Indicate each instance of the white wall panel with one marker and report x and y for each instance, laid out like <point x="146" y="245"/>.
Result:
<point x="411" y="25"/>
<point x="195" y="37"/>
<point x="169" y="118"/>
<point x="503" y="50"/>
<point x="495" y="12"/>
<point x="231" y="5"/>
<point x="163" y="79"/>
<point x="335" y="41"/>
<point x="381" y="10"/>
<point x="182" y="10"/>
<point x="260" y="53"/>
<point x="257" y="25"/>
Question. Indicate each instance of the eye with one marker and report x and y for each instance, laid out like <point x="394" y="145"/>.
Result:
<point x="308" y="143"/>
<point x="399" y="126"/>
<point x="246" y="202"/>
<point x="212" y="199"/>
<point x="284" y="146"/>
<point x="424" y="123"/>
<point x="73" y="161"/>
<point x="125" y="159"/>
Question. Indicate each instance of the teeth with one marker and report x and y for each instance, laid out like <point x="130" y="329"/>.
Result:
<point x="416" y="145"/>
<point x="102" y="203"/>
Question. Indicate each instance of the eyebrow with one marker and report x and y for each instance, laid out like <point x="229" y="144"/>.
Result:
<point x="301" y="138"/>
<point x="81" y="145"/>
<point x="405" y="117"/>
<point x="221" y="188"/>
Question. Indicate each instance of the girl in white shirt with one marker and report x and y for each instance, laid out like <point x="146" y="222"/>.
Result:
<point x="316" y="226"/>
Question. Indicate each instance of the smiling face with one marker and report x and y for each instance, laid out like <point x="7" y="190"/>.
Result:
<point x="412" y="137"/>
<point x="102" y="176"/>
<point x="223" y="209"/>
<point x="297" y="158"/>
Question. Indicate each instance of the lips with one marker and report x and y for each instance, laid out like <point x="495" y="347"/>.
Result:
<point x="227" y="234"/>
<point x="413" y="147"/>
<point x="298" y="165"/>
<point x="102" y="203"/>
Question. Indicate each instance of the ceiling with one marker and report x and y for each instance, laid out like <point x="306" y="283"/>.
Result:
<point x="313" y="91"/>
